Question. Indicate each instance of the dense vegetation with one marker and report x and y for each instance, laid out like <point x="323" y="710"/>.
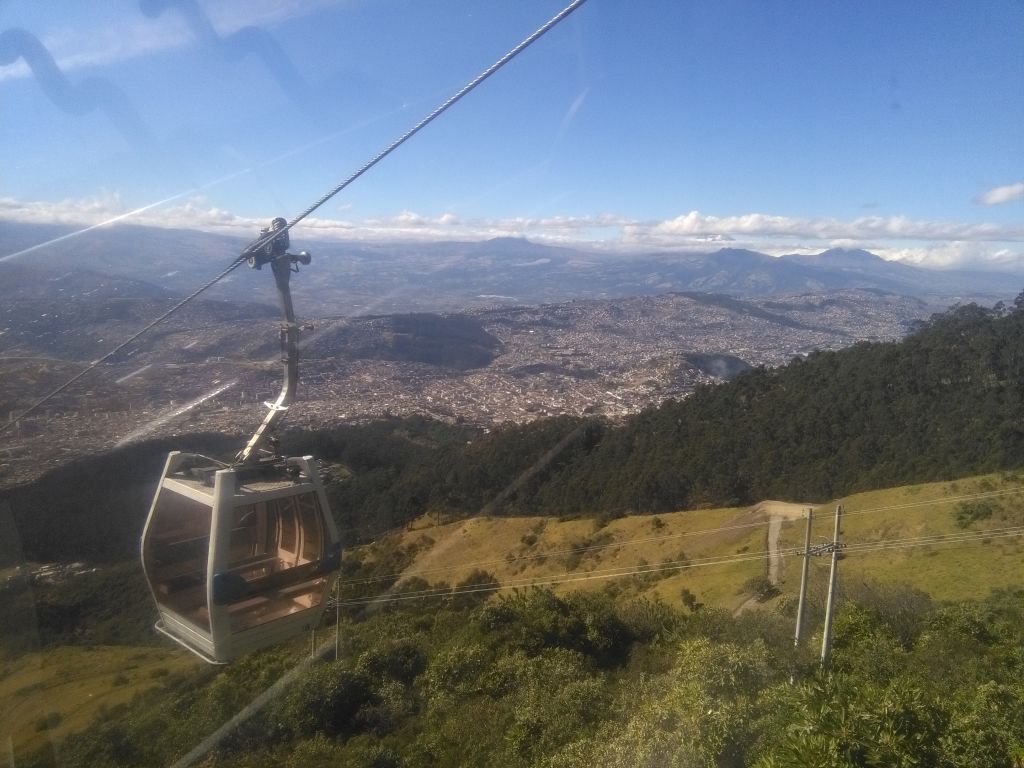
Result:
<point x="947" y="401"/>
<point x="537" y="679"/>
<point x="451" y="341"/>
<point x="533" y="679"/>
<point x="94" y="508"/>
<point x="108" y="606"/>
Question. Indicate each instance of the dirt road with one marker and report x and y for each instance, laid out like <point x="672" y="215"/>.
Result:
<point x="777" y="513"/>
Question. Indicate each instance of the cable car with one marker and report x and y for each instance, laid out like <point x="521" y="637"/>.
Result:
<point x="243" y="555"/>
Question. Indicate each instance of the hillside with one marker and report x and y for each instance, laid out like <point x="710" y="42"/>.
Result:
<point x="632" y="606"/>
<point x="681" y="610"/>
<point x="610" y="357"/>
<point x="456" y="342"/>
<point x="912" y="535"/>
<point x="946" y="402"/>
<point x="582" y="671"/>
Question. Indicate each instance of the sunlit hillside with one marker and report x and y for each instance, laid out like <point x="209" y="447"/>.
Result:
<point x="910" y="535"/>
<point x="435" y="593"/>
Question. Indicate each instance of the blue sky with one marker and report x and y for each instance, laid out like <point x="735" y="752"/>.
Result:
<point x="785" y="127"/>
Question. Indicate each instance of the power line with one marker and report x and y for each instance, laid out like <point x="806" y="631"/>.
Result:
<point x="946" y="500"/>
<point x="938" y="538"/>
<point x="680" y="565"/>
<point x="555" y="552"/>
<point x="259" y="243"/>
<point x="567" y="577"/>
<point x="664" y="537"/>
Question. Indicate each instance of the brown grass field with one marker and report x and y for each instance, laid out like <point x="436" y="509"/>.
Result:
<point x="713" y="553"/>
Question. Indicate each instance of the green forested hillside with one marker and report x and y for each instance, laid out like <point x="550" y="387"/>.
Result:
<point x="575" y="681"/>
<point x="536" y="678"/>
<point x="947" y="401"/>
<point x="94" y="508"/>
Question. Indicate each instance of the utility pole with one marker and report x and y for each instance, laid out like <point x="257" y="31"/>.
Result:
<point x="803" y="580"/>
<point x="826" y="637"/>
<point x="337" y="616"/>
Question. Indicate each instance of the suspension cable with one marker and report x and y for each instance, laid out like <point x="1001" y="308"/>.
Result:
<point x="432" y="116"/>
<point x="46" y="398"/>
<point x="617" y="543"/>
<point x="678" y="565"/>
<point x="257" y="244"/>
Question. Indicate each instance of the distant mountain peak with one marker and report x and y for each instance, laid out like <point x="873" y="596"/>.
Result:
<point x="840" y="258"/>
<point x="848" y="255"/>
<point x="509" y="240"/>
<point x="741" y="256"/>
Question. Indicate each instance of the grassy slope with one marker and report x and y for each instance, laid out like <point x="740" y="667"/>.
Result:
<point x="79" y="682"/>
<point x="72" y="684"/>
<point x="947" y="572"/>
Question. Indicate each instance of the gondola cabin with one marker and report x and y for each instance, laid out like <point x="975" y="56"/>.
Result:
<point x="239" y="558"/>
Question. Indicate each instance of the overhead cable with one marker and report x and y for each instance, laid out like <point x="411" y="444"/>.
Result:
<point x="680" y="565"/>
<point x="648" y="539"/>
<point x="262" y="241"/>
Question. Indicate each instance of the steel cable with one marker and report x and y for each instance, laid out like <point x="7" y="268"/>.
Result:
<point x="664" y="537"/>
<point x="257" y="244"/>
<point x="611" y="573"/>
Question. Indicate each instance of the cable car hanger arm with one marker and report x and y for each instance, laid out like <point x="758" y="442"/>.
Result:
<point x="282" y="263"/>
<point x="263" y="241"/>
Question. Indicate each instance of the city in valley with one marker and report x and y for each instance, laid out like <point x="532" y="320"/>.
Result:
<point x="212" y="367"/>
<point x="504" y="330"/>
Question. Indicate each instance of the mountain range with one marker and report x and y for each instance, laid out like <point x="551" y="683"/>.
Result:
<point x="348" y="278"/>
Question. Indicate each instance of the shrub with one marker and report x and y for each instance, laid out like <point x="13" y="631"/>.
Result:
<point x="475" y="588"/>
<point x="49" y="721"/>
<point x="327" y="700"/>
<point x="760" y="587"/>
<point x="690" y="600"/>
<point x="967" y="512"/>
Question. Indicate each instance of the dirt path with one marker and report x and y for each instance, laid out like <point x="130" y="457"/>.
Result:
<point x="774" y="558"/>
<point x="777" y="513"/>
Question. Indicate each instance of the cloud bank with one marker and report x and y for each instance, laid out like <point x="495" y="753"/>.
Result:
<point x="940" y="244"/>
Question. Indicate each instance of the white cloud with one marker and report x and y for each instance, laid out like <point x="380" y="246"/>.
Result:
<point x="696" y="224"/>
<point x="1004" y="194"/>
<point x="959" y="255"/>
<point x="940" y="244"/>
